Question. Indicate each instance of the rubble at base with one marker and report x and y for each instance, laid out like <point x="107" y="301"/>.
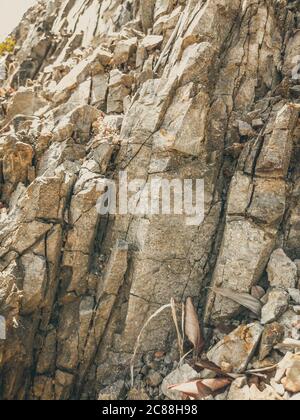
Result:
<point x="177" y="89"/>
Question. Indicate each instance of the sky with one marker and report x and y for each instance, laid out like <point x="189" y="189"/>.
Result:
<point x="11" y="14"/>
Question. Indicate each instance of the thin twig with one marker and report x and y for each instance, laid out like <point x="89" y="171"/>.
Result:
<point x="179" y="336"/>
<point x="140" y="336"/>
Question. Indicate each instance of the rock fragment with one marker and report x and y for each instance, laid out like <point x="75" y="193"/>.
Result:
<point x="273" y="334"/>
<point x="113" y="392"/>
<point x="151" y="42"/>
<point x="239" y="390"/>
<point x="291" y="381"/>
<point x="282" y="272"/>
<point x="295" y="295"/>
<point x="276" y="306"/>
<point x="237" y="349"/>
<point x="245" y="129"/>
<point x="124" y="50"/>
<point x="154" y="379"/>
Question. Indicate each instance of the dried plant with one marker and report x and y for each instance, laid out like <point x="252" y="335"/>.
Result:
<point x="243" y="299"/>
<point x="137" y="344"/>
<point x="201" y="388"/>
<point x="192" y="327"/>
<point x="180" y="338"/>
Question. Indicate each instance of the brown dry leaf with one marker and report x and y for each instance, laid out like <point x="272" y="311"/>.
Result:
<point x="205" y="364"/>
<point x="216" y="384"/>
<point x="244" y="299"/>
<point x="192" y="327"/>
<point x="193" y="389"/>
<point x="200" y="389"/>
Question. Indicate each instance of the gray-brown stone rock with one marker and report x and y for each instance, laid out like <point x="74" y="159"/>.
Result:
<point x="273" y="334"/>
<point x="235" y="351"/>
<point x="282" y="272"/>
<point x="276" y="305"/>
<point x="176" y="90"/>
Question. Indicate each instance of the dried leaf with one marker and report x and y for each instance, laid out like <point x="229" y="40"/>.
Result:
<point x="192" y="327"/>
<point x="244" y="299"/>
<point x="205" y="364"/>
<point x="216" y="384"/>
<point x="266" y="369"/>
<point x="200" y="389"/>
<point x="182" y="321"/>
<point x="179" y="335"/>
<point x="193" y="389"/>
<point x="289" y="344"/>
<point x="140" y="336"/>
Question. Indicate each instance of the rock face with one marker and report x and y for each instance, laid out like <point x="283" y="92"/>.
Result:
<point x="181" y="89"/>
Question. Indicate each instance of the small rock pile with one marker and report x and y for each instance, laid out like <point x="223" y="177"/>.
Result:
<point x="263" y="357"/>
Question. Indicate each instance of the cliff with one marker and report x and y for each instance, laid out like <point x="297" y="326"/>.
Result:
<point x="168" y="89"/>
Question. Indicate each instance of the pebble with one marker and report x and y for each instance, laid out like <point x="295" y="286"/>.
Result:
<point x="168" y="360"/>
<point x="154" y="379"/>
<point x="257" y="123"/>
<point x="145" y="370"/>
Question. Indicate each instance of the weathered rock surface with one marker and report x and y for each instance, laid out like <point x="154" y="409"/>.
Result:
<point x="182" y="90"/>
<point x="273" y="334"/>
<point x="276" y="306"/>
<point x="282" y="272"/>
<point x="234" y="352"/>
<point x="288" y="372"/>
<point x="239" y="391"/>
<point x="291" y="382"/>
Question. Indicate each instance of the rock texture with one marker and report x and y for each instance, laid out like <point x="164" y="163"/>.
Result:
<point x="187" y="89"/>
